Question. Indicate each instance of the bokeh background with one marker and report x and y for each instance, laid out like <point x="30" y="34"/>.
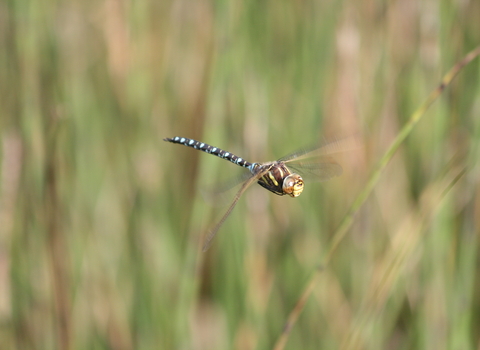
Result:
<point x="101" y="222"/>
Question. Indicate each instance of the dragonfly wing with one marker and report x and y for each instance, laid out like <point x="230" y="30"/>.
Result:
<point x="211" y="235"/>
<point x="220" y="193"/>
<point x="323" y="148"/>
<point x="323" y="170"/>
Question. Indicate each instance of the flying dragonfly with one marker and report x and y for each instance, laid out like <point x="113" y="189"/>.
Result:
<point x="276" y="176"/>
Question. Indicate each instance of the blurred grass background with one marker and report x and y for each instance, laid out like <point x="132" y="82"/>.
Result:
<point x="101" y="222"/>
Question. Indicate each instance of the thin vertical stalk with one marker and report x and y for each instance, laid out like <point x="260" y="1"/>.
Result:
<point x="361" y="198"/>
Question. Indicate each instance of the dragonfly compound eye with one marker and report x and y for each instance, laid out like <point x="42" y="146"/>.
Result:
<point x="293" y="185"/>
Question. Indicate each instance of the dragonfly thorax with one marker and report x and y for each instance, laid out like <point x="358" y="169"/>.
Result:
<point x="293" y="185"/>
<point x="277" y="178"/>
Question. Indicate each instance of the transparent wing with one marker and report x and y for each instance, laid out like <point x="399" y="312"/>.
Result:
<point x="219" y="193"/>
<point x="325" y="147"/>
<point x="322" y="169"/>
<point x="211" y="235"/>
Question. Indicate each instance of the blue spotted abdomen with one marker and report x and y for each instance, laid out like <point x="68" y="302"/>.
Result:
<point x="210" y="149"/>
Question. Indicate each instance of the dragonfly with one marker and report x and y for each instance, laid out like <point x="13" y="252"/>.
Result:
<point x="282" y="176"/>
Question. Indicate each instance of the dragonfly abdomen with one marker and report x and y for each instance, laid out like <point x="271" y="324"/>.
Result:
<point x="210" y="149"/>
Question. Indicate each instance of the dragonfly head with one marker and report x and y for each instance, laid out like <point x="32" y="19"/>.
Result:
<point x="293" y="185"/>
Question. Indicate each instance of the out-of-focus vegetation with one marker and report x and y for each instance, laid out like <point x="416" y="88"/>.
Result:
<point x="101" y="222"/>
